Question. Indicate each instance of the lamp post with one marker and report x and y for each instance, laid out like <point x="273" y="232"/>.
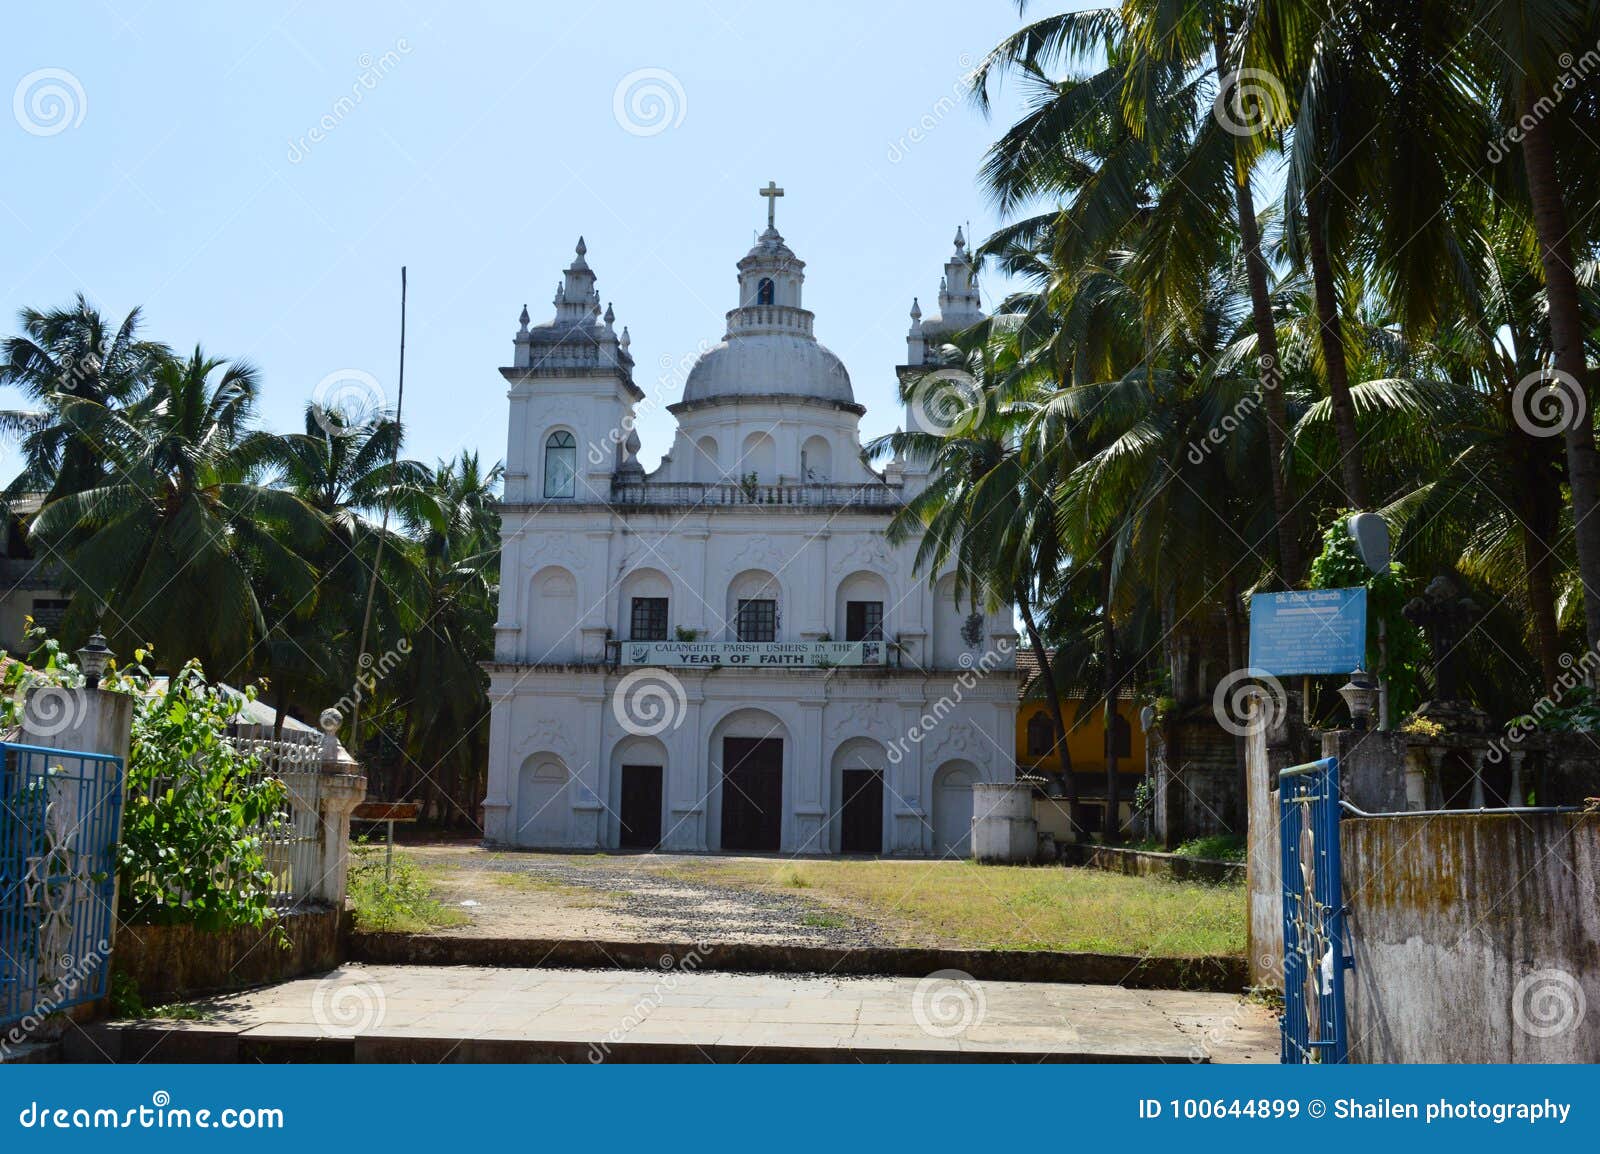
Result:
<point x="93" y="659"/>
<point x="1360" y="693"/>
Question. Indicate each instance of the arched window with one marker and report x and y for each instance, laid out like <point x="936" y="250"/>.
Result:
<point x="1041" y="735"/>
<point x="560" y="465"/>
<point x="766" y="291"/>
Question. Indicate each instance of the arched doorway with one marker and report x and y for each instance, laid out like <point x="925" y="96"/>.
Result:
<point x="952" y="809"/>
<point x="858" y="818"/>
<point x="747" y="756"/>
<point x="542" y="802"/>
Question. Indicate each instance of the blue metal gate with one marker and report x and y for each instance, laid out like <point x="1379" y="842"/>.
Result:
<point x="1314" y="953"/>
<point x="59" y="816"/>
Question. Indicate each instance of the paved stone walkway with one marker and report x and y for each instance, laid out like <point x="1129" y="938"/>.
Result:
<point x="462" y="1013"/>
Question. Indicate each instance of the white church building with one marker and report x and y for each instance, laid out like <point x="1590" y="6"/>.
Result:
<point x="726" y="653"/>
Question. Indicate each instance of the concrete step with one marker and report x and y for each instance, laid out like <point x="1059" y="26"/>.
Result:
<point x="474" y="1014"/>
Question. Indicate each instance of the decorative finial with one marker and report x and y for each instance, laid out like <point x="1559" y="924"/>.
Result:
<point x="961" y="241"/>
<point x="916" y="310"/>
<point x="523" y="319"/>
<point x="582" y="248"/>
<point x="626" y="339"/>
<point x="610" y="316"/>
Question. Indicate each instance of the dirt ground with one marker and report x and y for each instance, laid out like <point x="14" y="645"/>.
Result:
<point x="635" y="897"/>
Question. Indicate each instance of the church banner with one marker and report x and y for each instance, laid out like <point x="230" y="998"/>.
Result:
<point x="753" y="654"/>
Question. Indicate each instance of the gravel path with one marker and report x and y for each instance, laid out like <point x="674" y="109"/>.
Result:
<point x="631" y="898"/>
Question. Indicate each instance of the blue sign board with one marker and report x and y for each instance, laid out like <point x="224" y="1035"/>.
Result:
<point x="1316" y="631"/>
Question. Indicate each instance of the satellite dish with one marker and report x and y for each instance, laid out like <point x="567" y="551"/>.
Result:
<point x="1371" y="535"/>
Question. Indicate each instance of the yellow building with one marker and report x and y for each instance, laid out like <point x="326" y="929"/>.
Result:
<point x="1038" y="756"/>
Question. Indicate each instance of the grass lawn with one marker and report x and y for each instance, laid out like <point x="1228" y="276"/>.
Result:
<point x="402" y="903"/>
<point x="958" y="903"/>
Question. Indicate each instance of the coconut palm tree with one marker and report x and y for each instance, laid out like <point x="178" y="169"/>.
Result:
<point x="437" y="698"/>
<point x="168" y="543"/>
<point x="1524" y="54"/>
<point x="1150" y="155"/>
<point x="342" y="470"/>
<point x="75" y="366"/>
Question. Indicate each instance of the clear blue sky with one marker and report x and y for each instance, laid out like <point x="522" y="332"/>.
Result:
<point x="482" y="144"/>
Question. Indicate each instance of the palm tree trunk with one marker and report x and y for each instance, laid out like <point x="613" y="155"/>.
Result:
<point x="1273" y="400"/>
<point x="1069" y="783"/>
<point x="1566" y="343"/>
<point x="1538" y="517"/>
<point x="1113" y="826"/>
<point x="1333" y="354"/>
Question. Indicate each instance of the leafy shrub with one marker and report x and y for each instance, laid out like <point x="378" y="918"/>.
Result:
<point x="1577" y="711"/>
<point x="1215" y="847"/>
<point x="196" y="809"/>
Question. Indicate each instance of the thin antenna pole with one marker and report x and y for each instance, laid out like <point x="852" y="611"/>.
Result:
<point x="377" y="557"/>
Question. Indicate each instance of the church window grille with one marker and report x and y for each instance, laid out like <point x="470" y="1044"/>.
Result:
<point x="649" y="619"/>
<point x="863" y="621"/>
<point x="758" y="619"/>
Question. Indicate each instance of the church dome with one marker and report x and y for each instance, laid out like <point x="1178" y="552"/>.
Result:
<point x="769" y="349"/>
<point x="769" y="364"/>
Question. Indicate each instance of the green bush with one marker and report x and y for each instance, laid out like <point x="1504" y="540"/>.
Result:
<point x="195" y="810"/>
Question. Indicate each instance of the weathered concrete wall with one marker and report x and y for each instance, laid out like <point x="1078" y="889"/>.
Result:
<point x="167" y="961"/>
<point x="1371" y="768"/>
<point x="1197" y="780"/>
<point x="1003" y="826"/>
<point x="1143" y="863"/>
<point x="1476" y="938"/>
<point x="1262" y="881"/>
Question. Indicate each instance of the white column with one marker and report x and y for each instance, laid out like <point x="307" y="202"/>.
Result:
<point x="687" y="781"/>
<point x="808" y="808"/>
<point x="501" y="778"/>
<point x="589" y="775"/>
<point x="909" y="784"/>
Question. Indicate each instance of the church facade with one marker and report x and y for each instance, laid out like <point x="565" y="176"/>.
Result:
<point x="727" y="653"/>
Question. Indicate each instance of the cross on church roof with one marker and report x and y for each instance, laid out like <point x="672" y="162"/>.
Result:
<point x="771" y="192"/>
